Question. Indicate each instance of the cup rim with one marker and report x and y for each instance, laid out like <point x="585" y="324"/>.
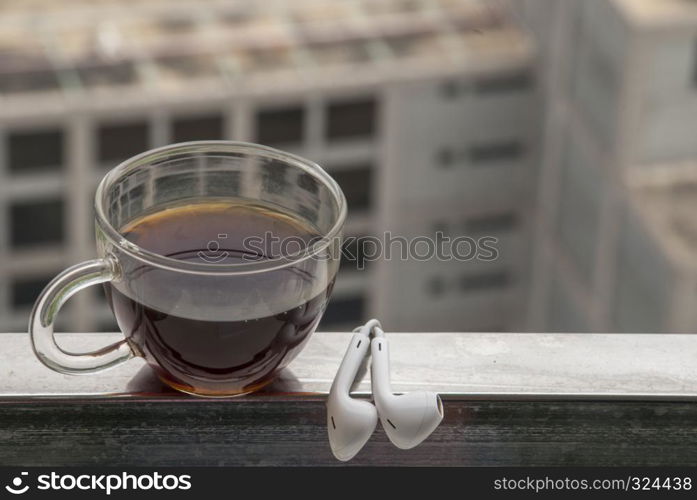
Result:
<point x="211" y="146"/>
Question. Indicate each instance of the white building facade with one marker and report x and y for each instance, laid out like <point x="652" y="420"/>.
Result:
<point x="420" y="109"/>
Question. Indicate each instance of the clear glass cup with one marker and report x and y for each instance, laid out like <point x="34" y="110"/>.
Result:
<point x="207" y="325"/>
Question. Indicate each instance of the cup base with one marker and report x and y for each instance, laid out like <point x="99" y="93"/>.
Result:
<point x="186" y="389"/>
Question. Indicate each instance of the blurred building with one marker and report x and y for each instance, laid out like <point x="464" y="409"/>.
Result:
<point x="656" y="283"/>
<point x="421" y="109"/>
<point x="615" y="233"/>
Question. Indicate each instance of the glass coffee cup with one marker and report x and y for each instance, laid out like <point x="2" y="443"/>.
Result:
<point x="217" y="259"/>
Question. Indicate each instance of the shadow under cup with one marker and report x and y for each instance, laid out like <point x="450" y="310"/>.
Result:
<point x="212" y="313"/>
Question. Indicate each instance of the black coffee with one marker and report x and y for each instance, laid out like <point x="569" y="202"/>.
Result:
<point x="229" y="350"/>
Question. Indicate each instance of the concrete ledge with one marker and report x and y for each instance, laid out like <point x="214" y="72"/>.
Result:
<point x="472" y="365"/>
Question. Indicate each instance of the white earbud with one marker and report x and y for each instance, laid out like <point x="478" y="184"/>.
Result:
<point x="350" y="422"/>
<point x="408" y="418"/>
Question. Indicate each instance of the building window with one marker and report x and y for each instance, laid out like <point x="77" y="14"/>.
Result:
<point x="222" y="183"/>
<point x="506" y="83"/>
<point x="436" y="286"/>
<point x="198" y="128"/>
<point x="496" y="152"/>
<point x="351" y="119"/>
<point x="96" y="75"/>
<point x="484" y="281"/>
<point x="453" y="89"/>
<point x="357" y="184"/>
<point x="308" y="183"/>
<point x="176" y="186"/>
<point x="491" y="223"/>
<point x="176" y="23"/>
<point x="280" y="126"/>
<point x="273" y="177"/>
<point x="183" y="68"/>
<point x="35" y="150"/>
<point x="29" y="81"/>
<point x="24" y="291"/>
<point x="36" y="223"/>
<point x="445" y="157"/>
<point x="343" y="311"/>
<point x="131" y="202"/>
<point x="117" y="142"/>
<point x="353" y="253"/>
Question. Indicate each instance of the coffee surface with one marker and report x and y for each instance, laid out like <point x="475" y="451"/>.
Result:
<point x="221" y="232"/>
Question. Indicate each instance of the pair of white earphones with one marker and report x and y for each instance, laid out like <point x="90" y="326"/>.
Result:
<point x="408" y="419"/>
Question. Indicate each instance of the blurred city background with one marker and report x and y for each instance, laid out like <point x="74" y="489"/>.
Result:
<point x="567" y="129"/>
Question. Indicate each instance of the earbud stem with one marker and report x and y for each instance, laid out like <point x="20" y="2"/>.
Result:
<point x="380" y="367"/>
<point x="351" y="364"/>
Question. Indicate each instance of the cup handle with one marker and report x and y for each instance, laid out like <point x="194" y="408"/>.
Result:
<point x="52" y="298"/>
